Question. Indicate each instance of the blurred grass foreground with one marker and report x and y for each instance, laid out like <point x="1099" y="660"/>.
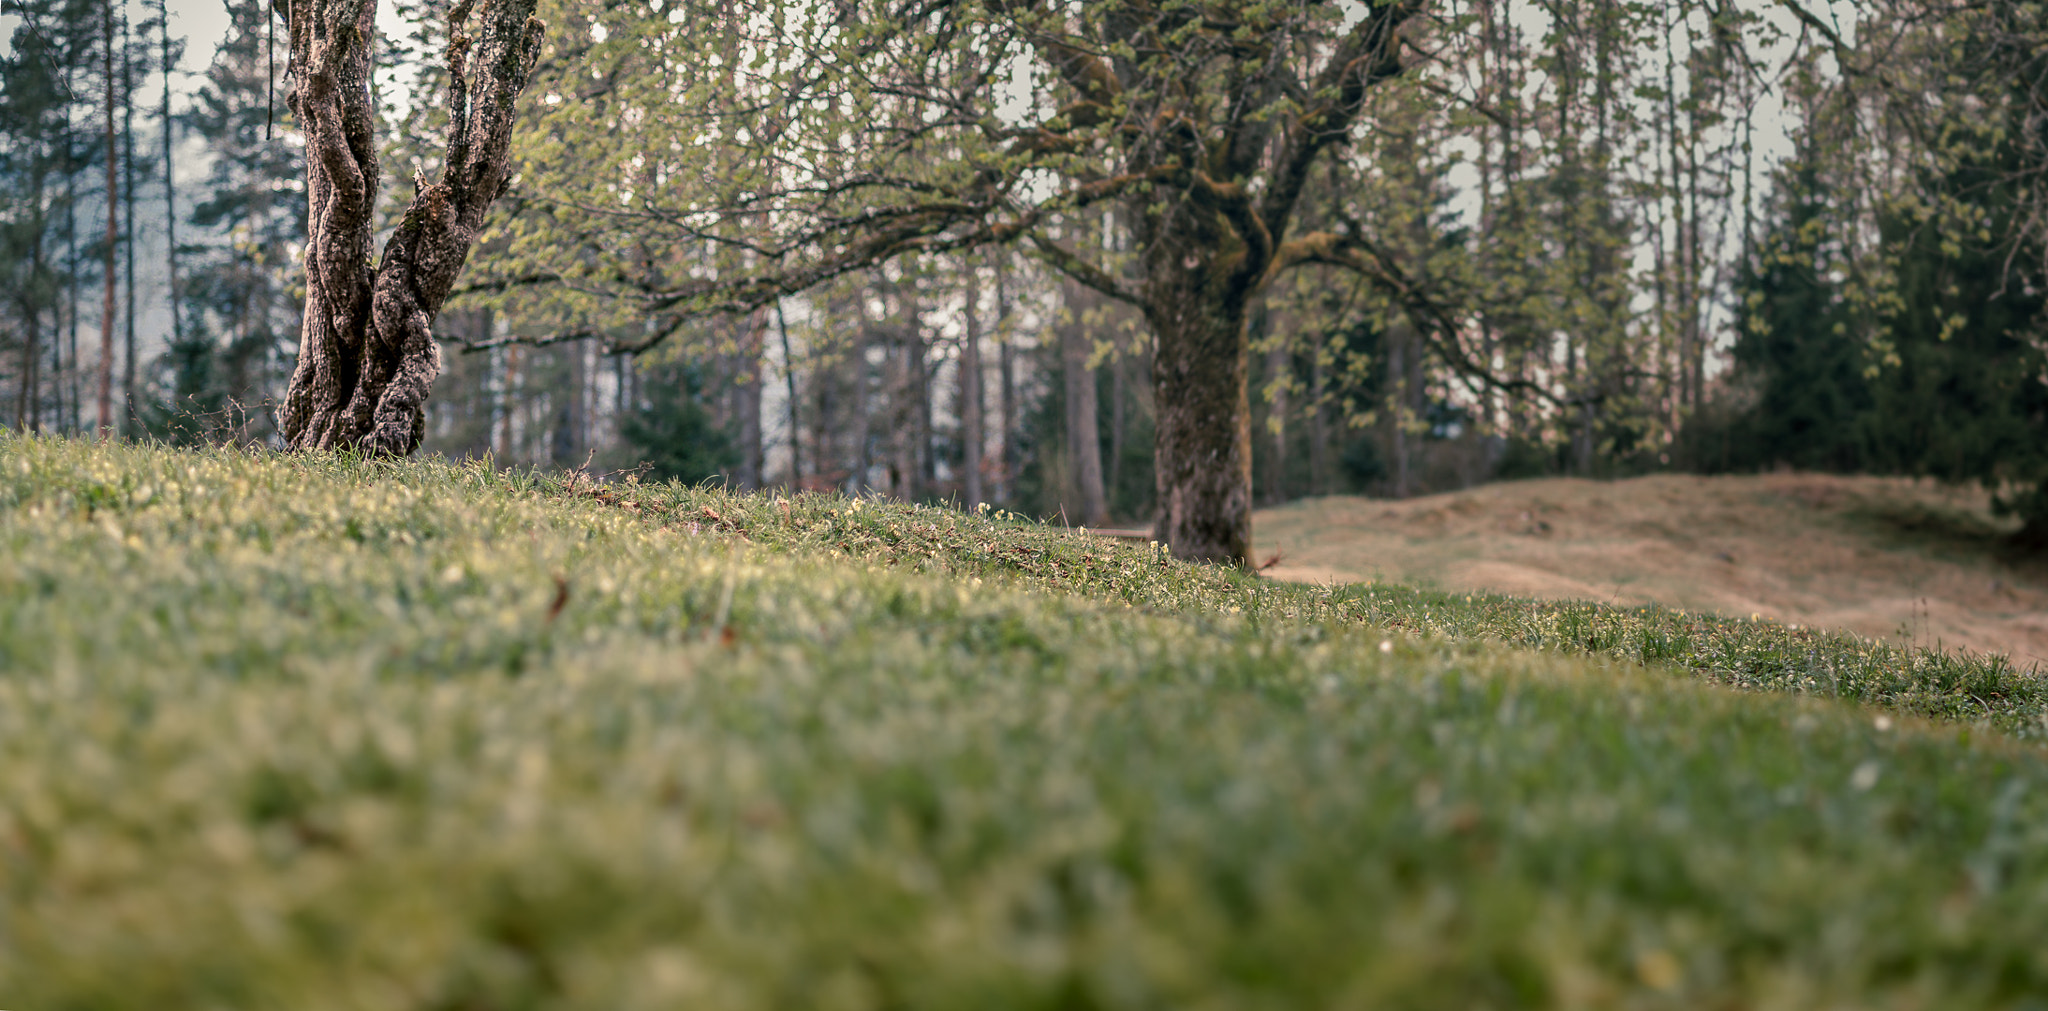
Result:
<point x="306" y="732"/>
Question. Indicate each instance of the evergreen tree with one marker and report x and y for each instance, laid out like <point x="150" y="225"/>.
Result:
<point x="1967" y="396"/>
<point x="673" y="432"/>
<point x="38" y="150"/>
<point x="239" y="288"/>
<point x="1797" y="346"/>
<point x="1952" y="383"/>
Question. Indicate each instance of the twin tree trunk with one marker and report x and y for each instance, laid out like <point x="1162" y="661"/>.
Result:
<point x="367" y="356"/>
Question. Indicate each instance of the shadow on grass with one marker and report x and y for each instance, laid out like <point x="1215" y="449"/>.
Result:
<point x="1952" y="533"/>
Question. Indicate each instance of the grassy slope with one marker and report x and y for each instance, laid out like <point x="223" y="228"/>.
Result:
<point x="306" y="733"/>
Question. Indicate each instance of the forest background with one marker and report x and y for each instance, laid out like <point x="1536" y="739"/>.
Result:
<point x="1608" y="239"/>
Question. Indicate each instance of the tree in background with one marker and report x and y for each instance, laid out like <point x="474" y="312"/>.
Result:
<point x="1934" y="139"/>
<point x="1800" y="346"/>
<point x="1964" y="396"/>
<point x="674" y="435"/>
<point x="33" y="156"/>
<point x="1201" y="127"/>
<point x="237" y="299"/>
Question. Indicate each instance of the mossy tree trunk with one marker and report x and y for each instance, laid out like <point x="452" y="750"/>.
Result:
<point x="367" y="355"/>
<point x="1202" y="439"/>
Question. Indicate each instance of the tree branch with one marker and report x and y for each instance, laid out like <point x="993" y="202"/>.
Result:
<point x="1435" y="318"/>
<point x="1368" y="55"/>
<point x="1066" y="262"/>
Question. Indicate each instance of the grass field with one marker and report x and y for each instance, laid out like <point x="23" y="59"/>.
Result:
<point x="1909" y="562"/>
<point x="311" y="733"/>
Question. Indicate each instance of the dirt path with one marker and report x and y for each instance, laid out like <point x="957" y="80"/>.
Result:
<point x="1887" y="558"/>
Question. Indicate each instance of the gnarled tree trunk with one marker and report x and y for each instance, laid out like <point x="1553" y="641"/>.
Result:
<point x="367" y="355"/>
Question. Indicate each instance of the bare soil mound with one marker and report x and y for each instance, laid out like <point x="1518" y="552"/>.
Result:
<point x="1882" y="557"/>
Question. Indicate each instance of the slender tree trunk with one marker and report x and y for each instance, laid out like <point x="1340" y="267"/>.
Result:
<point x="66" y="380"/>
<point x="367" y="355"/>
<point x="868" y="389"/>
<point x="486" y="399"/>
<point x="746" y="401"/>
<point x="1582" y="441"/>
<point x="827" y="453"/>
<point x="106" y="391"/>
<point x="56" y="375"/>
<point x="31" y="399"/>
<point x="1680" y="288"/>
<point x="921" y="366"/>
<point x="1084" y="438"/>
<point x="1693" y="254"/>
<point x="620" y="403"/>
<point x="1397" y="370"/>
<point x="796" y="442"/>
<point x="1006" y="366"/>
<point x="970" y="397"/>
<point x="128" y="418"/>
<point x="1119" y="419"/>
<point x="508" y="405"/>
<point x="903" y="461"/>
<point x="1319" y="430"/>
<point x="1276" y="427"/>
<point x="567" y="444"/>
<point x="25" y="396"/>
<point x="170" y="180"/>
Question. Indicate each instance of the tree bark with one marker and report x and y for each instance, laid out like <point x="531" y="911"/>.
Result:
<point x="970" y="398"/>
<point x="170" y="180"/>
<point x="746" y="403"/>
<point x="508" y="401"/>
<point x="921" y="367"/>
<point x="129" y="419"/>
<point x="1397" y="416"/>
<point x="1318" y="429"/>
<point x="796" y="442"/>
<point x="106" y="390"/>
<point x="1084" y="438"/>
<point x="1203" y="443"/>
<point x="1278" y="364"/>
<point x="26" y="408"/>
<point x="877" y="343"/>
<point x="1006" y="366"/>
<point x="367" y="355"/>
<point x="64" y="329"/>
<point x="568" y="442"/>
<point x="1119" y="421"/>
